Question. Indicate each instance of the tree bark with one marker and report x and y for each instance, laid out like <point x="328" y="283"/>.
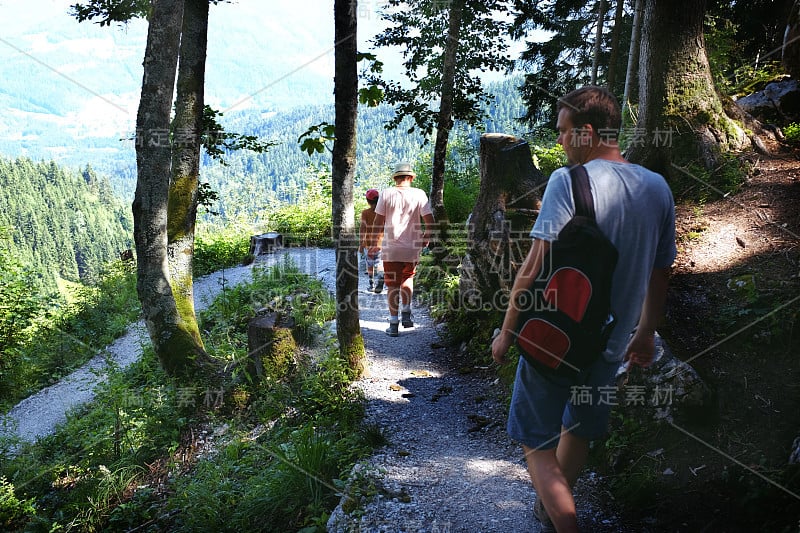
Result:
<point x="173" y="343"/>
<point x="598" y="39"/>
<point x="790" y="52"/>
<point x="633" y="58"/>
<point x="500" y="223"/>
<point x="348" y="329"/>
<point x="616" y="34"/>
<point x="445" y="116"/>
<point x="681" y="119"/>
<point x="187" y="132"/>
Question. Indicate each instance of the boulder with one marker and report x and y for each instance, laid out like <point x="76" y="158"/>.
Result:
<point x="669" y="388"/>
<point x="778" y="102"/>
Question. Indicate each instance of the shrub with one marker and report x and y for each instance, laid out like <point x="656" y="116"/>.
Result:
<point x="13" y="511"/>
<point x="547" y="159"/>
<point x="792" y="133"/>
<point x="462" y="179"/>
<point x="220" y="248"/>
<point x="307" y="221"/>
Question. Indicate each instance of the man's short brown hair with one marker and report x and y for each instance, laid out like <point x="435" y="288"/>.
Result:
<point x="595" y="106"/>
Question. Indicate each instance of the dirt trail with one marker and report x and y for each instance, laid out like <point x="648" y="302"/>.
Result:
<point x="449" y="465"/>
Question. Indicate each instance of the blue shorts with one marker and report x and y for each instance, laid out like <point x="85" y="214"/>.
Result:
<point x="542" y="403"/>
<point x="373" y="262"/>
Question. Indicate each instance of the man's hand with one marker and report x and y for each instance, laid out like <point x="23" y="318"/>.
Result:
<point x="426" y="239"/>
<point x="372" y="252"/>
<point x="500" y="345"/>
<point x="641" y="350"/>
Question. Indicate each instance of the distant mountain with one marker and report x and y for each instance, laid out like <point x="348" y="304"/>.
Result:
<point x="69" y="91"/>
<point x="249" y="183"/>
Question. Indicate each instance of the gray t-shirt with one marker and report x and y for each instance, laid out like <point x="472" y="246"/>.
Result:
<point x="635" y="210"/>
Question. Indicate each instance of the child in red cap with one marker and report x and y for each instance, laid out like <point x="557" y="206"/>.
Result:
<point x="365" y="232"/>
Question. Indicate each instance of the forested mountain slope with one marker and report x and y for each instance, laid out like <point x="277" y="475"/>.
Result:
<point x="60" y="223"/>
<point x="249" y="182"/>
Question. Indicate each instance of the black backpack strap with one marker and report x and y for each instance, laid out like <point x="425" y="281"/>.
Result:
<point x="584" y="203"/>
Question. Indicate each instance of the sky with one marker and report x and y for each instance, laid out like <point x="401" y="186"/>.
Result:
<point x="268" y="54"/>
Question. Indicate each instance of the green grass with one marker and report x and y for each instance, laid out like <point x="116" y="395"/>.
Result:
<point x="280" y="448"/>
<point x="72" y="330"/>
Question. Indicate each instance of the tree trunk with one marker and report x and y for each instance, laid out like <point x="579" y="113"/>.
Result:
<point x="616" y="34"/>
<point x="598" y="39"/>
<point x="348" y="328"/>
<point x="500" y="223"/>
<point x="173" y="343"/>
<point x="790" y="52"/>
<point x="187" y="131"/>
<point x="270" y="347"/>
<point x="633" y="58"/>
<point x="445" y="117"/>
<point x="681" y="119"/>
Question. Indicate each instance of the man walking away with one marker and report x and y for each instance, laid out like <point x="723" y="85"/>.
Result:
<point x="398" y="223"/>
<point x="635" y="210"/>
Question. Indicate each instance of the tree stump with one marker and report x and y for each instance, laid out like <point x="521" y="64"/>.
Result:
<point x="270" y="347"/>
<point x="500" y="223"/>
<point x="265" y="243"/>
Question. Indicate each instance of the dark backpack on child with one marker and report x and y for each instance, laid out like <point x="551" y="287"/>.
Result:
<point x="566" y="322"/>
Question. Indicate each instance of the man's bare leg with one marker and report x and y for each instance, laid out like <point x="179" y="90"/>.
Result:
<point x="393" y="298"/>
<point x="407" y="291"/>
<point x="572" y="453"/>
<point x="553" y="488"/>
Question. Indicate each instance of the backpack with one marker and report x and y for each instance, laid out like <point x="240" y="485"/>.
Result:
<point x="566" y="322"/>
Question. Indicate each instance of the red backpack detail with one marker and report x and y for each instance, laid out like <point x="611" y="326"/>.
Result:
<point x="569" y="320"/>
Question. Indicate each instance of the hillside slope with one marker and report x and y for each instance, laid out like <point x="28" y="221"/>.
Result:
<point x="59" y="223"/>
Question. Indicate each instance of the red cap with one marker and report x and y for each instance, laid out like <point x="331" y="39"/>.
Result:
<point x="372" y="194"/>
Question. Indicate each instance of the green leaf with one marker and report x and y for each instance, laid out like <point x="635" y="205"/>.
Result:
<point x="372" y="96"/>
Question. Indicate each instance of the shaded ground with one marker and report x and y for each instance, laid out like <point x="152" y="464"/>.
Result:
<point x="449" y="465"/>
<point x="733" y="313"/>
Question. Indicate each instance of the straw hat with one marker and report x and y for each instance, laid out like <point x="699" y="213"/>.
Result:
<point x="404" y="169"/>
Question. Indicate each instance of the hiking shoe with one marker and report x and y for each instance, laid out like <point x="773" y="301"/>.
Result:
<point x="392" y="329"/>
<point x="378" y="286"/>
<point x="405" y="317"/>
<point x="371" y="285"/>
<point x="541" y="515"/>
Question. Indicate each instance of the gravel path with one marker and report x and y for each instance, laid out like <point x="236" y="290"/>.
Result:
<point x="40" y="414"/>
<point x="449" y="465"/>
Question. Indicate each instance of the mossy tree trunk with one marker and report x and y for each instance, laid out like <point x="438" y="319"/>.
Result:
<point x="681" y="119"/>
<point x="173" y="342"/>
<point x="187" y="132"/>
<point x="348" y="328"/>
<point x="500" y="223"/>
